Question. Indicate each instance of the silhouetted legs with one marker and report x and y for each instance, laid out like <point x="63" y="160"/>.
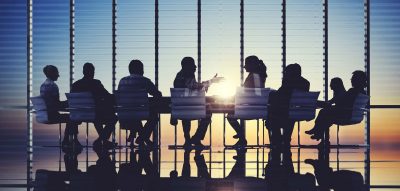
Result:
<point x="108" y="121"/>
<point x="281" y="130"/>
<point x="202" y="169"/>
<point x="145" y="132"/>
<point x="325" y="119"/>
<point x="239" y="131"/>
<point x="71" y="129"/>
<point x="201" y="131"/>
<point x="186" y="131"/>
<point x="239" y="169"/>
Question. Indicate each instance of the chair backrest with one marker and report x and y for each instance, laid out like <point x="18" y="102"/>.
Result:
<point x="40" y="107"/>
<point x="132" y="105"/>
<point x="251" y="103"/>
<point x="302" y="105"/>
<point x="81" y="107"/>
<point x="359" y="107"/>
<point x="188" y="104"/>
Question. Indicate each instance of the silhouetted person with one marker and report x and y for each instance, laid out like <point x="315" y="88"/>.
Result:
<point x="136" y="81"/>
<point x="338" y="89"/>
<point x="340" y="111"/>
<point x="103" y="172"/>
<point x="255" y="79"/>
<point x="186" y="79"/>
<point x="278" y="115"/>
<point x="104" y="105"/>
<point x="50" y="93"/>
<point x="239" y="169"/>
<point x="340" y="180"/>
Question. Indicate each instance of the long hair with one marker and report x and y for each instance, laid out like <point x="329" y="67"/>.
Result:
<point x="262" y="71"/>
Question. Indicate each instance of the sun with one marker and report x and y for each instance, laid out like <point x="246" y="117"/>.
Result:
<point x="223" y="89"/>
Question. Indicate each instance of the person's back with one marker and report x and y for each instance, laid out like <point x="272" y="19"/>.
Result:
<point x="50" y="93"/>
<point x="93" y="86"/>
<point x="278" y="117"/>
<point x="346" y="102"/>
<point x="104" y="101"/>
<point x="292" y="80"/>
<point x="136" y="81"/>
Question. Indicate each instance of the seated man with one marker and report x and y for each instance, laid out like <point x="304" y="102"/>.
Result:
<point x="137" y="81"/>
<point x="279" y="105"/>
<point x="104" y="102"/>
<point x="339" y="112"/>
<point x="50" y="93"/>
<point x="186" y="79"/>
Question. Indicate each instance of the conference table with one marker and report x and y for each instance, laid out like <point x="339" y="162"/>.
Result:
<point x="214" y="104"/>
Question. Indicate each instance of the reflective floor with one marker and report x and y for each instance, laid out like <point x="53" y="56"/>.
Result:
<point x="216" y="169"/>
<point x="49" y="168"/>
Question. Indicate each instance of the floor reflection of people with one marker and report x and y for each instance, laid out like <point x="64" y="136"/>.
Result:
<point x="103" y="172"/>
<point x="130" y="174"/>
<point x="239" y="169"/>
<point x="280" y="175"/>
<point x="340" y="180"/>
<point x="202" y="169"/>
<point x="71" y="161"/>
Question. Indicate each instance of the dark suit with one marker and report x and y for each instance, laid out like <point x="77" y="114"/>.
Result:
<point x="279" y="109"/>
<point x="104" y="102"/>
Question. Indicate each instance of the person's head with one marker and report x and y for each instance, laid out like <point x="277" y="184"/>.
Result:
<point x="359" y="79"/>
<point x="251" y="64"/>
<point x="188" y="65"/>
<point x="51" y="72"/>
<point x="292" y="70"/>
<point x="136" y="67"/>
<point x="88" y="70"/>
<point x="337" y="84"/>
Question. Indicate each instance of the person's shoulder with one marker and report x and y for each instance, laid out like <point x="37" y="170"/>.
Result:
<point x="96" y="81"/>
<point x="76" y="83"/>
<point x="305" y="80"/>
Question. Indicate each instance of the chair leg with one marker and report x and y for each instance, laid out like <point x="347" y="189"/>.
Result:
<point x="258" y="131"/>
<point x="59" y="135"/>
<point x="224" y="130"/>
<point x="263" y="131"/>
<point x="60" y="146"/>
<point x="159" y="130"/>
<point x="210" y="136"/>
<point x="337" y="135"/>
<point x="175" y="138"/>
<point x="298" y="133"/>
<point x="87" y="134"/>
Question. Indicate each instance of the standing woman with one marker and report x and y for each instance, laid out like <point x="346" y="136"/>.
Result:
<point x="255" y="79"/>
